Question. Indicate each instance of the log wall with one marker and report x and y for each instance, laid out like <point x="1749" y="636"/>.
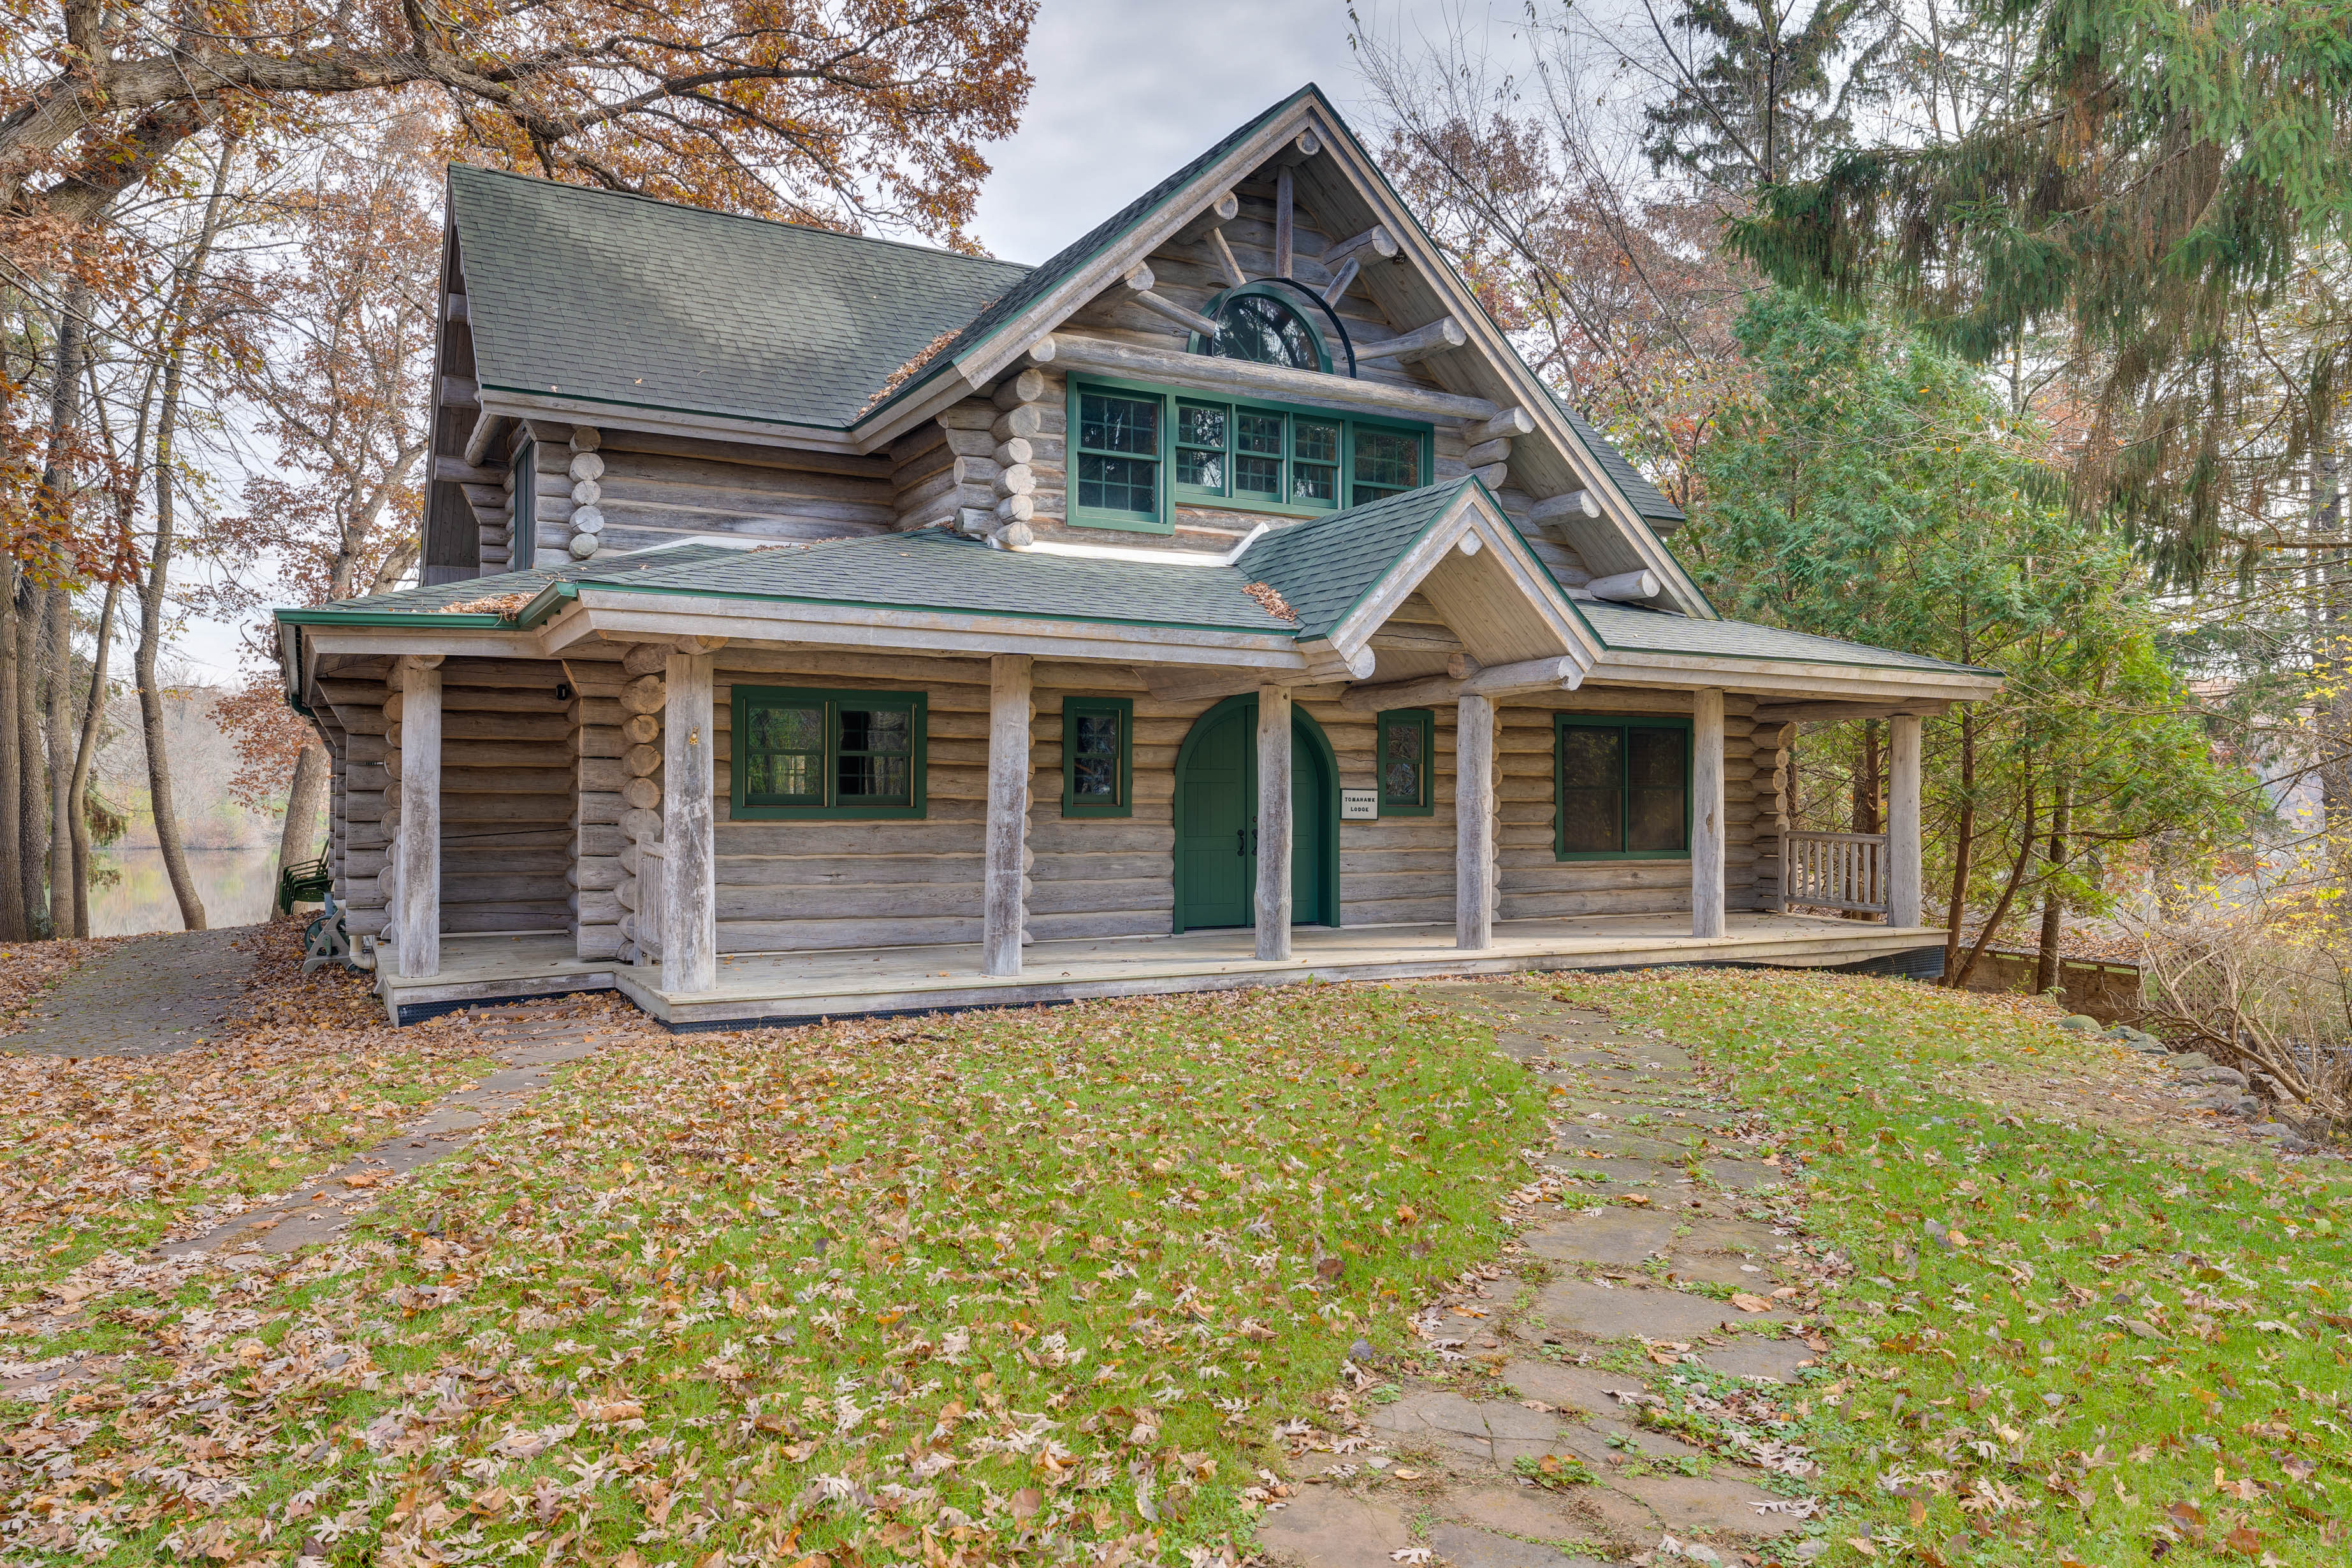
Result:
<point x="506" y="786"/>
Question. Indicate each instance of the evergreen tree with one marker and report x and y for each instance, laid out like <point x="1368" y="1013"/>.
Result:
<point x="1758" y="97"/>
<point x="2159" y="174"/>
<point x="1873" y="489"/>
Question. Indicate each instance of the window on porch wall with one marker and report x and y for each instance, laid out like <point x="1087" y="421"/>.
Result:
<point x="802" y="754"/>
<point x="1622" y="788"/>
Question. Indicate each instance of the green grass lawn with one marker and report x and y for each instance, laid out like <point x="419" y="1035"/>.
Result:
<point x="2089" y="1344"/>
<point x="1039" y="1282"/>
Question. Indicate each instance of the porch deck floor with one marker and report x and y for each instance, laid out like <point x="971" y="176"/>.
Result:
<point x="789" y="987"/>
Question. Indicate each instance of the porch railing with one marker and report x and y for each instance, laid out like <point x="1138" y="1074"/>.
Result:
<point x="1834" y="870"/>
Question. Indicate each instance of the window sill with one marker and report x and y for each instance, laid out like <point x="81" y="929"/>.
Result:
<point x="1664" y="856"/>
<point x="824" y="813"/>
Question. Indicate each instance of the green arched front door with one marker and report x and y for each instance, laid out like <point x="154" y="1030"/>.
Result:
<point x="1216" y="820"/>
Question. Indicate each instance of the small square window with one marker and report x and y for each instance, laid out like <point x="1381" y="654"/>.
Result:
<point x="1097" y="756"/>
<point x="1408" y="746"/>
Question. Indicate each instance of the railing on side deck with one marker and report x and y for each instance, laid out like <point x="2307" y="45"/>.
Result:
<point x="1835" y="870"/>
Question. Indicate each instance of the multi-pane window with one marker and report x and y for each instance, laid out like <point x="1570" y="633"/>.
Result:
<point x="830" y="754"/>
<point x="1251" y="456"/>
<point x="1262" y="328"/>
<point x="524" y="471"/>
<point x="1407" y="754"/>
<point x="1118" y="456"/>
<point x="1623" y="787"/>
<point x="1386" y="461"/>
<point x="1097" y="756"/>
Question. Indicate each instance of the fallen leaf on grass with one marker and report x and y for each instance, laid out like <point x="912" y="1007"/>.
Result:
<point x="1748" y="1303"/>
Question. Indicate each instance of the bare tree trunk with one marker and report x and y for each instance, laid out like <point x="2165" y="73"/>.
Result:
<point x="304" y="796"/>
<point x="1963" y="847"/>
<point x="2045" y="967"/>
<point x="32" y="801"/>
<point x="2026" y="840"/>
<point x="151" y="647"/>
<point x="13" y="921"/>
<point x="61" y="762"/>
<point x="159" y="565"/>
<point x="2331" y="663"/>
<point x="86" y="754"/>
<point x="34" y="674"/>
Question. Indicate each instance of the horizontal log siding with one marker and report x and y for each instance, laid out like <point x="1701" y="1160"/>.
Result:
<point x="786" y="886"/>
<point x="1109" y="876"/>
<point x="354" y="704"/>
<point x="595" y="877"/>
<point x="1534" y="883"/>
<point x="658" y="489"/>
<point x="505" y="819"/>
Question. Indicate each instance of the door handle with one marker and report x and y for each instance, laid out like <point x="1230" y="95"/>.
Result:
<point x="1253" y="833"/>
<point x="1241" y="841"/>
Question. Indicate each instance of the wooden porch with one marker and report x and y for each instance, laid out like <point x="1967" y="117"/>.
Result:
<point x="799" y="987"/>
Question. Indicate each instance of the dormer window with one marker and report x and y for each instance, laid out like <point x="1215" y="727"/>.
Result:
<point x="1255" y="323"/>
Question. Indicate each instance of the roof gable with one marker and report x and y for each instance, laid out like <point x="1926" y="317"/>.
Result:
<point x="1346" y="573"/>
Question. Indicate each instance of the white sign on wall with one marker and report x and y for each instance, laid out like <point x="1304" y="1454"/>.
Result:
<point x="1358" y="805"/>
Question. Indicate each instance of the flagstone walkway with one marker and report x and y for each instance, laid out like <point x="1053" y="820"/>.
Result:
<point x="1480" y="1470"/>
<point x="529" y="1041"/>
<point x="143" y="997"/>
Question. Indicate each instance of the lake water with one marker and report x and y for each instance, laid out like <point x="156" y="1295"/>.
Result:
<point x="237" y="886"/>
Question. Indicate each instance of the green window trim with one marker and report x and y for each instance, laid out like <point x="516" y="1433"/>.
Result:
<point x="1636" y="740"/>
<point x="1119" y="756"/>
<point x="523" y="468"/>
<point x="821" y="739"/>
<point x="1235" y="454"/>
<point x="1417" y="727"/>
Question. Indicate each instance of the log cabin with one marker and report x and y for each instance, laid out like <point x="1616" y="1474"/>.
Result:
<point x="811" y="624"/>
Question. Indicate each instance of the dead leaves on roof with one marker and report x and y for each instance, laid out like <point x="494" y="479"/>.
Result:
<point x="1270" y="599"/>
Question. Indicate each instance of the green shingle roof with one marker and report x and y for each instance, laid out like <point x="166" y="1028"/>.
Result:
<point x="1627" y="629"/>
<point x="436" y="598"/>
<point x="620" y="299"/>
<point x="1647" y="499"/>
<point x="933" y="569"/>
<point x="1323" y="568"/>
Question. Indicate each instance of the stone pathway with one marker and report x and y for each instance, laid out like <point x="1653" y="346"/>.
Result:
<point x="529" y="1040"/>
<point x="143" y="997"/>
<point x="1481" y="1470"/>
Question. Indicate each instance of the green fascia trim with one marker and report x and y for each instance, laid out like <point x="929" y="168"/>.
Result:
<point x="571" y="590"/>
<point x="1777" y="658"/>
<point x="661" y="408"/>
<point x="329" y="617"/>
<point x="546" y="602"/>
<point x="932" y="370"/>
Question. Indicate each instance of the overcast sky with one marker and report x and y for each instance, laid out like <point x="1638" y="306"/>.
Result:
<point x="1129" y="89"/>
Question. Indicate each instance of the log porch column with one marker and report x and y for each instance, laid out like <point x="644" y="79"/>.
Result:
<point x="689" y="894"/>
<point x="1707" y="812"/>
<point x="1274" y="822"/>
<point x="1474" y="822"/>
<point x="419" y="918"/>
<point x="1903" y="800"/>
<point x="1005" y="900"/>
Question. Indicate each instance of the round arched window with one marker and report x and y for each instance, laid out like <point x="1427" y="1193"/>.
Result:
<point x="1262" y="327"/>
